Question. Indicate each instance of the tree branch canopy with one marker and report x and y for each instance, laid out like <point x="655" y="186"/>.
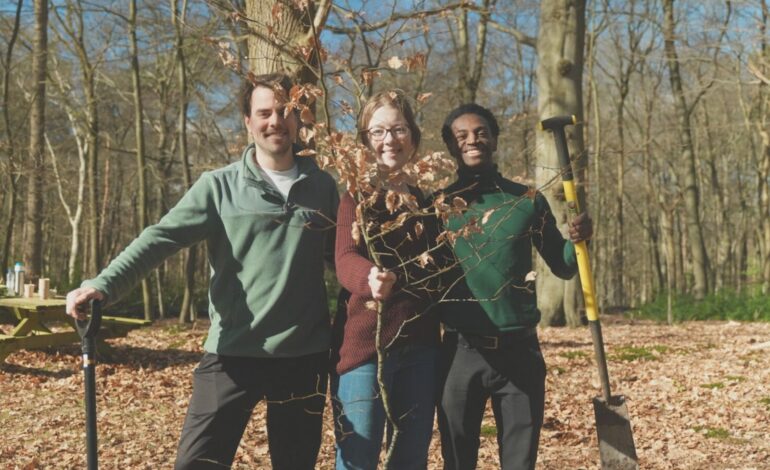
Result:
<point x="518" y="35"/>
<point x="399" y="16"/>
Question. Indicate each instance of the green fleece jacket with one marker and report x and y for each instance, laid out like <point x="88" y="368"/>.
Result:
<point x="494" y="293"/>
<point x="267" y="296"/>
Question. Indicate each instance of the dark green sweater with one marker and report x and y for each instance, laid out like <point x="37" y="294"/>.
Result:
<point x="266" y="292"/>
<point x="494" y="294"/>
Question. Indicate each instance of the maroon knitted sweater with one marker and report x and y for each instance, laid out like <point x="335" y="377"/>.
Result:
<point x="355" y="324"/>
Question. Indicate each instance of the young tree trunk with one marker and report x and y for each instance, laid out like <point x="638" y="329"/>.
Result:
<point x="33" y="243"/>
<point x="691" y="192"/>
<point x="141" y="165"/>
<point x="13" y="172"/>
<point x="469" y="74"/>
<point x="186" y="311"/>
<point x="559" y="81"/>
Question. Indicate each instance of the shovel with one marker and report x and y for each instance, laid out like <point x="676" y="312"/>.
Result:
<point x="613" y="427"/>
<point x="88" y="329"/>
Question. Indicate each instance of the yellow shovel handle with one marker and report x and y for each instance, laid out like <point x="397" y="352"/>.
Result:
<point x="581" y="252"/>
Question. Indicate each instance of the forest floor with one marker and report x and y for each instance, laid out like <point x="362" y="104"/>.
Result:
<point x="698" y="395"/>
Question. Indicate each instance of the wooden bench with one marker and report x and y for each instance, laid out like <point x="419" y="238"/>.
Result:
<point x="32" y="320"/>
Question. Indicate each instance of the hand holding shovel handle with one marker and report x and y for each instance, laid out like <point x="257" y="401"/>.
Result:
<point x="88" y="329"/>
<point x="616" y="441"/>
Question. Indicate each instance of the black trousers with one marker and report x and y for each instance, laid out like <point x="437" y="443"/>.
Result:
<point x="225" y="391"/>
<point x="513" y="376"/>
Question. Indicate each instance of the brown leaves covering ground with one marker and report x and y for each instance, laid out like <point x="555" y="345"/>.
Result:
<point x="698" y="395"/>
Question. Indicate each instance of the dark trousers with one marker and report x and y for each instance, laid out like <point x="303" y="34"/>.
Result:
<point x="225" y="391"/>
<point x="513" y="376"/>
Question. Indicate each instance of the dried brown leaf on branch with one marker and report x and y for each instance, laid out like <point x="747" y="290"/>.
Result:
<point x="417" y="61"/>
<point x="418" y="229"/>
<point x="306" y="134"/>
<point x="424" y="259"/>
<point x="423" y="97"/>
<point x="392" y="201"/>
<point x="459" y="203"/>
<point x="368" y="76"/>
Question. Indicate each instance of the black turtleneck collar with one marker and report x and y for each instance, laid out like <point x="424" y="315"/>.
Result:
<point x="481" y="176"/>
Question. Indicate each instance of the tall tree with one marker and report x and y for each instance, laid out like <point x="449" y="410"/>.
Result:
<point x="698" y="252"/>
<point x="469" y="69"/>
<point x="763" y="165"/>
<point x="12" y="172"/>
<point x="141" y="164"/>
<point x="75" y="30"/>
<point x="187" y="311"/>
<point x="560" y="45"/>
<point x="33" y="243"/>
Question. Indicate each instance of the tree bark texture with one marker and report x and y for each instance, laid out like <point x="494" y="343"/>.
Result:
<point x="141" y="165"/>
<point x="13" y="172"/>
<point x="282" y="37"/>
<point x="559" y="80"/>
<point x="186" y="310"/>
<point x="699" y="256"/>
<point x="33" y="244"/>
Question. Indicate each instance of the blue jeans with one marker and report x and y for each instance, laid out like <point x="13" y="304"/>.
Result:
<point x="410" y="376"/>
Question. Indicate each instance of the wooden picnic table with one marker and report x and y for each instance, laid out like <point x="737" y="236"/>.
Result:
<point x="32" y="320"/>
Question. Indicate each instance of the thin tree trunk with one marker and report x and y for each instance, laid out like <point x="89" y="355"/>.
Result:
<point x="13" y="171"/>
<point x="186" y="311"/>
<point x="33" y="243"/>
<point x="700" y="260"/>
<point x="469" y="75"/>
<point x="141" y="166"/>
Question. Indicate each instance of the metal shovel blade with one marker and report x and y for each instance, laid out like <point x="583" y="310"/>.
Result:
<point x="616" y="442"/>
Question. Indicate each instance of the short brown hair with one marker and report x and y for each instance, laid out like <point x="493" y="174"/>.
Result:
<point x="270" y="81"/>
<point x="395" y="98"/>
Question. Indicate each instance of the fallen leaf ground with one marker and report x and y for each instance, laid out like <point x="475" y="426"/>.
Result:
<point x="698" y="395"/>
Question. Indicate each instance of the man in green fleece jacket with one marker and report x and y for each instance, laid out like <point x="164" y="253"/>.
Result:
<point x="490" y="347"/>
<point x="267" y="222"/>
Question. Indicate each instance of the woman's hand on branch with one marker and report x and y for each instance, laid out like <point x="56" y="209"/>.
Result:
<point x="381" y="283"/>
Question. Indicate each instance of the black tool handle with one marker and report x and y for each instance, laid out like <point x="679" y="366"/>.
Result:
<point x="88" y="329"/>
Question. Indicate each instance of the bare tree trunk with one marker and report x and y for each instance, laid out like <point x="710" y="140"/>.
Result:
<point x="763" y="165"/>
<point x="186" y="311"/>
<point x="13" y="171"/>
<point x="654" y="229"/>
<point x="33" y="243"/>
<point x="559" y="80"/>
<point x="700" y="260"/>
<point x="141" y="166"/>
<point x="721" y="203"/>
<point x="469" y="75"/>
<point x="293" y="27"/>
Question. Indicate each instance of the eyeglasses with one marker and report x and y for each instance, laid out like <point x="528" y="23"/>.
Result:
<point x="379" y="133"/>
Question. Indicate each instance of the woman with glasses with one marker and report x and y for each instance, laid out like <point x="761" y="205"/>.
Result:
<point x="410" y="332"/>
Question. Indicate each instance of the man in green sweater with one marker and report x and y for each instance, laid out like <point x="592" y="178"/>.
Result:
<point x="490" y="347"/>
<point x="267" y="221"/>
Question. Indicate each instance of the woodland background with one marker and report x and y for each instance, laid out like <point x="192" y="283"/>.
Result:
<point x="110" y="109"/>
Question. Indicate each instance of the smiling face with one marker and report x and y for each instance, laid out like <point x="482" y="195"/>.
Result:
<point x="273" y="134"/>
<point x="395" y="146"/>
<point x="473" y="143"/>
